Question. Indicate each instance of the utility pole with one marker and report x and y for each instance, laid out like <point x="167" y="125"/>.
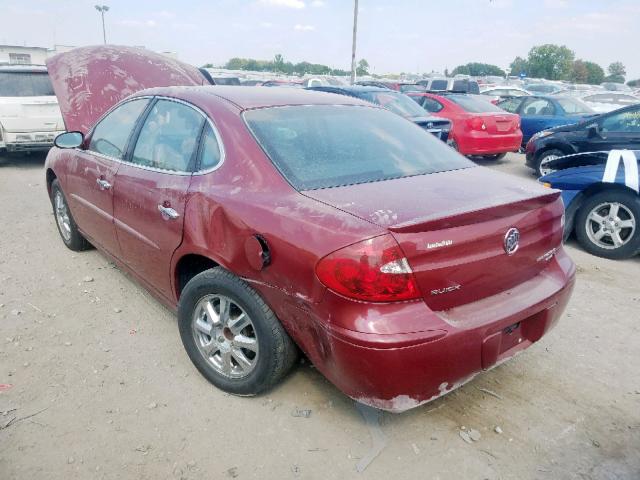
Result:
<point x="353" y="48"/>
<point x="102" y="9"/>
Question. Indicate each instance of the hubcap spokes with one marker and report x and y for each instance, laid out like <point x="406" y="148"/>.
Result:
<point x="225" y="336"/>
<point x="62" y="216"/>
<point x="544" y="170"/>
<point x="610" y="225"/>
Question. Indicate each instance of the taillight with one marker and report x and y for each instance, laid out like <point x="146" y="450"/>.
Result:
<point x="373" y="270"/>
<point x="476" y="123"/>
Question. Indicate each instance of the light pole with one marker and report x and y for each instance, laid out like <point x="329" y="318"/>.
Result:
<point x="353" y="48"/>
<point x="102" y="9"/>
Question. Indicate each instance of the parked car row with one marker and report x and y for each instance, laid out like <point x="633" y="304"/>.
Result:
<point x="274" y="219"/>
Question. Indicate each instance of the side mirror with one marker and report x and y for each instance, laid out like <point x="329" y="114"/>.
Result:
<point x="593" y="130"/>
<point x="69" y="140"/>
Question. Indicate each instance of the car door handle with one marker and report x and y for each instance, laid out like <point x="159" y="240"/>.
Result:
<point x="168" y="213"/>
<point x="103" y="184"/>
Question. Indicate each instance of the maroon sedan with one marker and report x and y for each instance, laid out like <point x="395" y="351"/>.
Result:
<point x="273" y="219"/>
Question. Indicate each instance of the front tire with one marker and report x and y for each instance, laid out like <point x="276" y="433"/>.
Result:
<point x="608" y="224"/>
<point x="546" y="157"/>
<point x="232" y="337"/>
<point x="67" y="227"/>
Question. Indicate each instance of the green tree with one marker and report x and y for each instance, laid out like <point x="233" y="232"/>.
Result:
<point x="278" y="62"/>
<point x="617" y="69"/>
<point x="518" y="66"/>
<point x="595" y="73"/>
<point x="579" y="72"/>
<point x="553" y="62"/>
<point x="634" y="83"/>
<point x="362" y="68"/>
<point x="477" y="69"/>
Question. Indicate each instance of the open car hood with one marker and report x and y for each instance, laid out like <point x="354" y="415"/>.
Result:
<point x="88" y="81"/>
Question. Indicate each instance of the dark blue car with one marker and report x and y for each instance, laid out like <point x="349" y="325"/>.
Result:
<point x="540" y="112"/>
<point x="600" y="191"/>
<point x="396" y="102"/>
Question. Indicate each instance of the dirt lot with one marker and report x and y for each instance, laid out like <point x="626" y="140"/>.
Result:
<point x="101" y="387"/>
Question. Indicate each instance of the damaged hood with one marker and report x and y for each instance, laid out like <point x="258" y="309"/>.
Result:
<point x="88" y="81"/>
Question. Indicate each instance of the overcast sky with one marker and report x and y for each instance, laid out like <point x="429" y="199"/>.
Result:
<point x="394" y="36"/>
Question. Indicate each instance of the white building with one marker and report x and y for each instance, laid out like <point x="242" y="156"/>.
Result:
<point x="21" y="55"/>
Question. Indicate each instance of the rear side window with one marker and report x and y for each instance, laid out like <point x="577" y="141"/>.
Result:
<point x="25" y="84"/>
<point x="511" y="105"/>
<point x="168" y="137"/>
<point x="210" y="155"/>
<point x="111" y="135"/>
<point x="474" y="105"/>
<point x="323" y="146"/>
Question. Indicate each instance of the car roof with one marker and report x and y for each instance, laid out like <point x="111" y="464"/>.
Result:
<point x="257" y="97"/>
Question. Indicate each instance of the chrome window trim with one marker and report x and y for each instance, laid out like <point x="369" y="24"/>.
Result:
<point x="161" y="170"/>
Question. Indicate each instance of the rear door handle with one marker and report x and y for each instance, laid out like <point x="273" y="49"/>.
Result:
<point x="168" y="213"/>
<point x="103" y="184"/>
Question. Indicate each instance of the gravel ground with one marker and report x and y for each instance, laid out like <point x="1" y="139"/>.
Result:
<point x="95" y="383"/>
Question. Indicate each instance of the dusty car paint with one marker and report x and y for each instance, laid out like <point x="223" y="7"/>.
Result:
<point x="393" y="355"/>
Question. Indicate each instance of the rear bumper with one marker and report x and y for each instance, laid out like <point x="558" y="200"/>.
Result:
<point x="28" y="141"/>
<point x="485" y="144"/>
<point x="399" y="371"/>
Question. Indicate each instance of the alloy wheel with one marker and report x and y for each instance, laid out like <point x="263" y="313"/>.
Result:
<point x="610" y="225"/>
<point x="62" y="216"/>
<point x="544" y="170"/>
<point x="225" y="336"/>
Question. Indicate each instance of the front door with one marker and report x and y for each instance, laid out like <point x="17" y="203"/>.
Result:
<point x="151" y="191"/>
<point x="91" y="174"/>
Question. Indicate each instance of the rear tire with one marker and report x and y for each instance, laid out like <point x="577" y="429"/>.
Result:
<point x="232" y="337"/>
<point x="598" y="235"/>
<point x="67" y="227"/>
<point x="545" y="157"/>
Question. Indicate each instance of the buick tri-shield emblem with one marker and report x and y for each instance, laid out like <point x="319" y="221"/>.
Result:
<point x="511" y="241"/>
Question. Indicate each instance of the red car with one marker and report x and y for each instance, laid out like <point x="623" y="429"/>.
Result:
<point x="479" y="127"/>
<point x="273" y="219"/>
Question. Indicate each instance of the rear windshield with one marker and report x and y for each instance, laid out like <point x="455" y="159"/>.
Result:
<point x="396" y="102"/>
<point x="474" y="105"/>
<point x="25" y="84"/>
<point x="323" y="146"/>
<point x="439" y="84"/>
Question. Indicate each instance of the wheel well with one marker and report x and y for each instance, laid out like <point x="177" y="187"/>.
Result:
<point x="188" y="267"/>
<point x="51" y="176"/>
<point x="551" y="147"/>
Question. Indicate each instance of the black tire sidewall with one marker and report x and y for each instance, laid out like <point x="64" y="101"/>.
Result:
<point x="629" y="199"/>
<point x="220" y="281"/>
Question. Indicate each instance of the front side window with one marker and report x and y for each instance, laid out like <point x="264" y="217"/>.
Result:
<point x="168" y="137"/>
<point x="324" y="146"/>
<point x="112" y="133"/>
<point x="573" y="106"/>
<point x="628" y="122"/>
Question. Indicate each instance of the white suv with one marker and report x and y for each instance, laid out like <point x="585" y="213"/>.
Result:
<point x="29" y="114"/>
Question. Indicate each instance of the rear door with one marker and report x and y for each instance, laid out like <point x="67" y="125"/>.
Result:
<point x="537" y="114"/>
<point x="90" y="178"/>
<point x="151" y="190"/>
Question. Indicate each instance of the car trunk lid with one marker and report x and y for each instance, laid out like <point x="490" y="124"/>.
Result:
<point x="452" y="227"/>
<point x="30" y="114"/>
<point x="88" y="81"/>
